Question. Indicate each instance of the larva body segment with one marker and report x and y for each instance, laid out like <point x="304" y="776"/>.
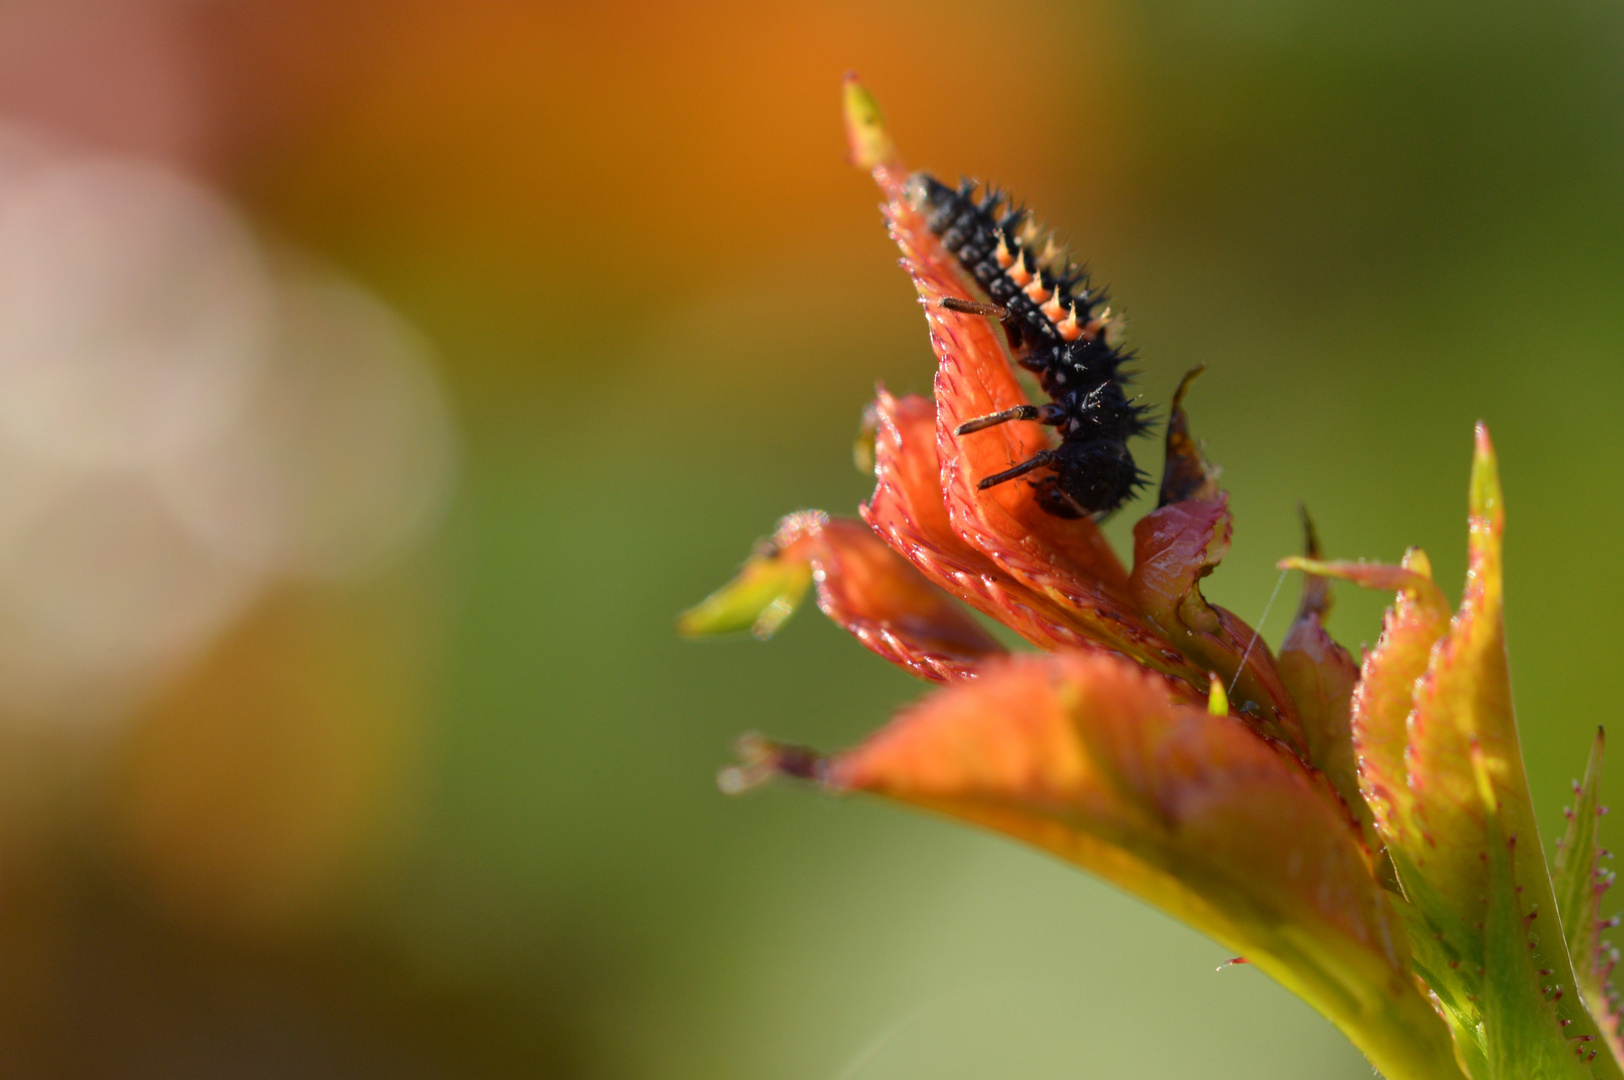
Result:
<point x="1060" y="330"/>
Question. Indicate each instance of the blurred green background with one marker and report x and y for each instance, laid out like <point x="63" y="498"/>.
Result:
<point x="447" y="809"/>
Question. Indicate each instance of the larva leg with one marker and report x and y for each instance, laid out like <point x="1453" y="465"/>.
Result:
<point x="1036" y="461"/>
<point x="1050" y="414"/>
<point x="974" y="307"/>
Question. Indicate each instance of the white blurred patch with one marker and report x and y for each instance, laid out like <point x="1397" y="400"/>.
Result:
<point x="346" y="453"/>
<point x="182" y="421"/>
<point x="134" y="313"/>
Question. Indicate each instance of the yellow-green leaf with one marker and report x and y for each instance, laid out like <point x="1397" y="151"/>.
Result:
<point x="766" y="591"/>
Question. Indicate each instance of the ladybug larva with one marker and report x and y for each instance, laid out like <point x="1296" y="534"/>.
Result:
<point x="1061" y="330"/>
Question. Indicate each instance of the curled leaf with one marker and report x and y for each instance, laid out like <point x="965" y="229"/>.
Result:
<point x="891" y="608"/>
<point x="907" y="509"/>
<point x="1186" y="473"/>
<point x="974" y="378"/>
<point x="1461" y="727"/>
<point x="1320" y="676"/>
<point x="1443" y="770"/>
<point x="1174" y="547"/>
<point x="1386" y="688"/>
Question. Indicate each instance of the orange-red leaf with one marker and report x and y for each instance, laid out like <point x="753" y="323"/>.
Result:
<point x="1175" y="546"/>
<point x="1085" y="756"/>
<point x="907" y="509"/>
<point x="1066" y="560"/>
<point x="861" y="584"/>
<point x="890" y="607"/>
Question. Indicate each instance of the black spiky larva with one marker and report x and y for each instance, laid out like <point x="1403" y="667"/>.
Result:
<point x="1060" y="330"/>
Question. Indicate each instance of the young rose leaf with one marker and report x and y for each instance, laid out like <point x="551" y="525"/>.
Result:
<point x="891" y="607"/>
<point x="1174" y="547"/>
<point x="1320" y="676"/>
<point x="1523" y="1034"/>
<point x="1382" y="698"/>
<point x="1580" y="880"/>
<point x="766" y="591"/>
<point x="862" y="585"/>
<point x="1066" y="561"/>
<point x="1177" y="545"/>
<point x="1445" y="777"/>
<point x="908" y="511"/>
<point x="1461" y="726"/>
<point x="1086" y="757"/>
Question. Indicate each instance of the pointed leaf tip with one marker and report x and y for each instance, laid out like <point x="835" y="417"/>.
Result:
<point x="1311" y="540"/>
<point x="1186" y="473"/>
<point x="1316" y="590"/>
<point x="766" y="591"/>
<point x="866" y="136"/>
<point x="1485" y="486"/>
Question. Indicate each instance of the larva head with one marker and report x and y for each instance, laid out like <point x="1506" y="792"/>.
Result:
<point x="1089" y="478"/>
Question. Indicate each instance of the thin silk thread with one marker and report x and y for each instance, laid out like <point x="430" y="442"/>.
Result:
<point x="1279" y="581"/>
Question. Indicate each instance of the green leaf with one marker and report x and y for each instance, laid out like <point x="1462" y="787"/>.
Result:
<point x="1523" y="1034"/>
<point x="766" y="591"/>
<point x="1575" y="873"/>
<point x="1580" y="882"/>
<point x="1442" y="768"/>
